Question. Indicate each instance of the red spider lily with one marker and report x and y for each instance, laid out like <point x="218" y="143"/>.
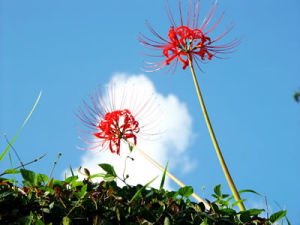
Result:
<point x="108" y="123"/>
<point x="190" y="42"/>
<point x="117" y="125"/>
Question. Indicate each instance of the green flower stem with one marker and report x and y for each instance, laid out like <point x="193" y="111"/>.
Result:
<point x="214" y="140"/>
<point x="194" y="195"/>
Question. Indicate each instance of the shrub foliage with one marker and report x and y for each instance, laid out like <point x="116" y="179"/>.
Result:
<point x="73" y="201"/>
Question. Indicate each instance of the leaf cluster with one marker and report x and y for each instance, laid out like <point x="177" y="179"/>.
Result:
<point x="73" y="201"/>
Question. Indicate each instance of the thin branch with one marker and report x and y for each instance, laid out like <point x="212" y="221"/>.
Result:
<point x="8" y="142"/>
<point x="26" y="164"/>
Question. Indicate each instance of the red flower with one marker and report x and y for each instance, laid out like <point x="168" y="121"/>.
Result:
<point x="188" y="42"/>
<point x="109" y="126"/>
<point x="114" y="118"/>
<point x="117" y="125"/>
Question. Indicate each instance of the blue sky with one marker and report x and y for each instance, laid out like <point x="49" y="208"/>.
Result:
<point x="67" y="48"/>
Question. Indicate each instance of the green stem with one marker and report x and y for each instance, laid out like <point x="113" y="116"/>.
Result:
<point x="215" y="143"/>
<point x="54" y="164"/>
<point x="125" y="165"/>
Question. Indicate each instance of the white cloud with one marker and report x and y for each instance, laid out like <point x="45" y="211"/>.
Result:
<point x="166" y="139"/>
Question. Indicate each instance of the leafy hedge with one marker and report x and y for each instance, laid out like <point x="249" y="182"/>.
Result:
<point x="72" y="201"/>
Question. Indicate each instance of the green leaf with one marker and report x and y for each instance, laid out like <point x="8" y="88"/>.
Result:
<point x="141" y="189"/>
<point x="237" y="202"/>
<point x="204" y="222"/>
<point x="24" y="123"/>
<point x="246" y="191"/>
<point x="108" y="168"/>
<point x="11" y="171"/>
<point x="224" y="196"/>
<point x="215" y="196"/>
<point x="71" y="171"/>
<point x="186" y="191"/>
<point x="58" y="182"/>
<point x="41" y="178"/>
<point x="39" y="222"/>
<point x="167" y="221"/>
<point x="29" y="177"/>
<point x="47" y="189"/>
<point x="51" y="205"/>
<point x="215" y="208"/>
<point x="109" y="177"/>
<point x="83" y="191"/>
<point x="245" y="216"/>
<point x="130" y="148"/>
<point x="287" y="220"/>
<point x="217" y="190"/>
<point x="255" y="212"/>
<point x="66" y="221"/>
<point x="71" y="179"/>
<point x="250" y="191"/>
<point x="172" y="194"/>
<point x="228" y="211"/>
<point x="163" y="178"/>
<point x="118" y="214"/>
<point x="223" y="203"/>
<point x="277" y="216"/>
<point x="27" y="220"/>
<point x="76" y="183"/>
<point x="97" y="175"/>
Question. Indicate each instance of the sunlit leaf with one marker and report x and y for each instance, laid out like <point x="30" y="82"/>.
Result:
<point x="71" y="171"/>
<point x="277" y="216"/>
<point x="186" y="191"/>
<point x="204" y="222"/>
<point x="108" y="168"/>
<point x="97" y="175"/>
<point x="217" y="190"/>
<point x="83" y="191"/>
<point x="11" y="171"/>
<point x="167" y="221"/>
<point x="109" y="177"/>
<point x="163" y="177"/>
<point x="71" y="179"/>
<point x="39" y="222"/>
<point x="141" y="189"/>
<point x="41" y="178"/>
<point x="255" y="212"/>
<point x="67" y="221"/>
<point x="29" y="176"/>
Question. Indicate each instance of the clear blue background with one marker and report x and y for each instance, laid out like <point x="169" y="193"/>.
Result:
<point x="66" y="48"/>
